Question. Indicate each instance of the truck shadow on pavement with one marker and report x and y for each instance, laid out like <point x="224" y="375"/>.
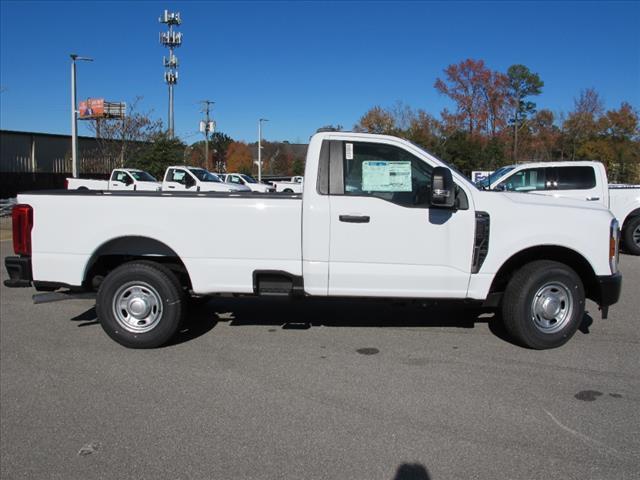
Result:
<point x="306" y="313"/>
<point x="301" y="314"/>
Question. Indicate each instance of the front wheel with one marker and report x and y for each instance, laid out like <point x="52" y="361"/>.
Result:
<point x="631" y="236"/>
<point x="543" y="304"/>
<point x="140" y="304"/>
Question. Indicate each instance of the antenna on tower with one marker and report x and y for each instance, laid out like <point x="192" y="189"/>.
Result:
<point x="170" y="39"/>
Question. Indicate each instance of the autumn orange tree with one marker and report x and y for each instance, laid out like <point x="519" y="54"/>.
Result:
<point x="239" y="158"/>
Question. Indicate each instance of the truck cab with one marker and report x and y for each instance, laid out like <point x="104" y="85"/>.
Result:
<point x="194" y="179"/>
<point x="248" y="181"/>
<point x="133" y="179"/>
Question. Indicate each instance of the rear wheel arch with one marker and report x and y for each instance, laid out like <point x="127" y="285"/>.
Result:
<point x="117" y="251"/>
<point x="629" y="217"/>
<point x="564" y="255"/>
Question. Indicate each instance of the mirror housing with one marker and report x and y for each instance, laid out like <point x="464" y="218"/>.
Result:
<point x="443" y="194"/>
<point x="189" y="181"/>
<point x="127" y="180"/>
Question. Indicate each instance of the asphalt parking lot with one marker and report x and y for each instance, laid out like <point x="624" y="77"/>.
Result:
<point x="262" y="389"/>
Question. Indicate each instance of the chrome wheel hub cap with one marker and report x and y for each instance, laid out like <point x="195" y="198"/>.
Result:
<point x="551" y="307"/>
<point x="137" y="307"/>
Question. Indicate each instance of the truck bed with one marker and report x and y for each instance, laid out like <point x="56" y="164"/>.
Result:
<point x="221" y="237"/>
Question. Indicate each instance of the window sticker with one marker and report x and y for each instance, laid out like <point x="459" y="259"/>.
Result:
<point x="384" y="176"/>
<point x="349" y="151"/>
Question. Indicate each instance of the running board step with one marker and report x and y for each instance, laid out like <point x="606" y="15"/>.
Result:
<point x="60" y="296"/>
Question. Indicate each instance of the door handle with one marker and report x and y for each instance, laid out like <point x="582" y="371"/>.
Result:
<point x="171" y="186"/>
<point x="354" y="218"/>
<point x="593" y="199"/>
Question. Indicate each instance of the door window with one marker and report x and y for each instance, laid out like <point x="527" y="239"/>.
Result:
<point x="575" y="178"/>
<point x="525" y="181"/>
<point x="386" y="172"/>
<point x="235" y="179"/>
<point x="178" y="176"/>
<point x="120" y="176"/>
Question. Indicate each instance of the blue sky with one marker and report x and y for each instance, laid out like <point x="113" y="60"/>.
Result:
<point x="303" y="64"/>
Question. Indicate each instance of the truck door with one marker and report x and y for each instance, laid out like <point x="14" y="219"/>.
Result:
<point x="178" y="179"/>
<point x="385" y="238"/>
<point x="577" y="182"/>
<point x="121" y="180"/>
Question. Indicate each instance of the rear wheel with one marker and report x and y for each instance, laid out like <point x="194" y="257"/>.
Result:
<point x="543" y="304"/>
<point x="631" y="235"/>
<point x="140" y="304"/>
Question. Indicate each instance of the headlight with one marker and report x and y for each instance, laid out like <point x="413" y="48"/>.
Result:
<point x="614" y="245"/>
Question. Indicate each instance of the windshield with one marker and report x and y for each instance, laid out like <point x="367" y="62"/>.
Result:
<point x="446" y="164"/>
<point x="485" y="182"/>
<point x="205" y="176"/>
<point x="248" y="178"/>
<point x="142" y="176"/>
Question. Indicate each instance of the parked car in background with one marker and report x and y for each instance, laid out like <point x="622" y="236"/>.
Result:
<point x="292" y="186"/>
<point x="194" y="179"/>
<point x="248" y="181"/>
<point x="120" y="179"/>
<point x="582" y="180"/>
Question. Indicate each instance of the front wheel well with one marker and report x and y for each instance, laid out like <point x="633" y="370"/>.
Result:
<point x="564" y="255"/>
<point x="118" y="251"/>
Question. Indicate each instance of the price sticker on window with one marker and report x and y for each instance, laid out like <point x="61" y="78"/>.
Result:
<point x="348" y="151"/>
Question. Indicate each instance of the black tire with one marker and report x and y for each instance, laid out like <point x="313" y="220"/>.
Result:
<point x="153" y="292"/>
<point x="631" y="236"/>
<point x="83" y="188"/>
<point x="287" y="190"/>
<point x="536" y="291"/>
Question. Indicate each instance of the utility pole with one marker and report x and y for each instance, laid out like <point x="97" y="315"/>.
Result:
<point x="206" y="126"/>
<point x="171" y="39"/>
<point x="260" y="148"/>
<point x="74" y="114"/>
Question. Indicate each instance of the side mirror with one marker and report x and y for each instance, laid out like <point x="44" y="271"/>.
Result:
<point x="189" y="181"/>
<point x="443" y="193"/>
<point x="127" y="180"/>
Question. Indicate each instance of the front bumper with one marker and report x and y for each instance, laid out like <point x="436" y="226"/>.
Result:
<point x="609" y="288"/>
<point x="19" y="270"/>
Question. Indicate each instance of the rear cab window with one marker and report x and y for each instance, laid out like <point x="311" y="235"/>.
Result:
<point x="574" y="178"/>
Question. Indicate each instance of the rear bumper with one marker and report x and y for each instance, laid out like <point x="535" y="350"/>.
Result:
<point x="19" y="270"/>
<point x="609" y="288"/>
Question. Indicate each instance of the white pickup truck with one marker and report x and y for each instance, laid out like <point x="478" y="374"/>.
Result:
<point x="121" y="179"/>
<point x="379" y="217"/>
<point x="292" y="186"/>
<point x="248" y="181"/>
<point x="582" y="180"/>
<point x="194" y="179"/>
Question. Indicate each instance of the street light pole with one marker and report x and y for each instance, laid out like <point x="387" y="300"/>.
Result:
<point x="260" y="148"/>
<point x="74" y="114"/>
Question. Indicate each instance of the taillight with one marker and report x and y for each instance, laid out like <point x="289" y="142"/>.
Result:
<point x="66" y="184"/>
<point x="614" y="245"/>
<point x="22" y="219"/>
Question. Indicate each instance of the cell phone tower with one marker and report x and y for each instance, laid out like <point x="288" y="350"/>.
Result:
<point x="170" y="39"/>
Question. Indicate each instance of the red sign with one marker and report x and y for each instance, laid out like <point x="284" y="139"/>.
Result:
<point x="92" y="108"/>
